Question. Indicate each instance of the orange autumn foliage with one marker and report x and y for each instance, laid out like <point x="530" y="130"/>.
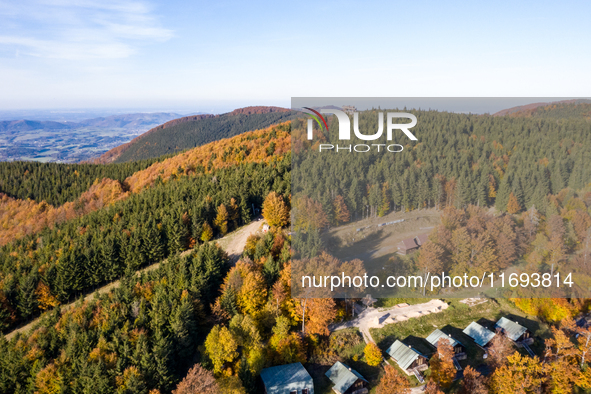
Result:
<point x="44" y="297"/>
<point x="19" y="218"/>
<point x="251" y="147"/>
<point x="513" y="205"/>
<point x="49" y="380"/>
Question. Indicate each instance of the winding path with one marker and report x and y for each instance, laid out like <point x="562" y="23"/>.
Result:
<point x="232" y="243"/>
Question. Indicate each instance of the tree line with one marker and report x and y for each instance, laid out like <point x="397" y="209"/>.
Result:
<point x="191" y="134"/>
<point x="57" y="183"/>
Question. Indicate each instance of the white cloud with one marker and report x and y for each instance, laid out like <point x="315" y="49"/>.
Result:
<point x="67" y="50"/>
<point x="78" y="30"/>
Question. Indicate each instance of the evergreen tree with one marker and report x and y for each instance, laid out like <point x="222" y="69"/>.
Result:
<point x="247" y="378"/>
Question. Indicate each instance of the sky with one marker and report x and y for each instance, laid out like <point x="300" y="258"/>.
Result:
<point x="213" y="56"/>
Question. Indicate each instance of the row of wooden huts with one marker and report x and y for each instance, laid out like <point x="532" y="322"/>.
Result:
<point x="295" y="379"/>
<point x="413" y="362"/>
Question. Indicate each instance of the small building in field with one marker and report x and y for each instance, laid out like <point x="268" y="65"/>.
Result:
<point x="287" y="379"/>
<point x="368" y="301"/>
<point x="410" y="245"/>
<point x="481" y="335"/>
<point x="407" y="358"/>
<point x="459" y="349"/>
<point x="346" y="380"/>
<point x="407" y="246"/>
<point x="514" y="331"/>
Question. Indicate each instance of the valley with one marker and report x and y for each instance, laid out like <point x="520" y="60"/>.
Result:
<point x="72" y="141"/>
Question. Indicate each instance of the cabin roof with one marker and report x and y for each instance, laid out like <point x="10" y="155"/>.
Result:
<point x="409" y="243"/>
<point x="512" y="329"/>
<point x="436" y="335"/>
<point x="402" y="354"/>
<point x="422" y="238"/>
<point x="343" y="377"/>
<point x="277" y="379"/>
<point x="481" y="335"/>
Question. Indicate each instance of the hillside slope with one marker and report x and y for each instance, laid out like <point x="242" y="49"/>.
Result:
<point x="233" y="244"/>
<point x="529" y="109"/>
<point x="40" y="181"/>
<point x="193" y="131"/>
<point x="55" y="254"/>
<point x="20" y="217"/>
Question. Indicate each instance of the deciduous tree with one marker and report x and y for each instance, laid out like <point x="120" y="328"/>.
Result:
<point x="207" y="232"/>
<point x="519" y="375"/>
<point x="341" y="212"/>
<point x="197" y="381"/>
<point x="321" y="312"/>
<point x="373" y="354"/>
<point x="513" y="205"/>
<point x="392" y="382"/>
<point x="443" y="371"/>
<point x="473" y="382"/>
<point x="275" y="211"/>
<point x="500" y="349"/>
<point x="221" y="347"/>
<point x="433" y="388"/>
<point x="221" y="220"/>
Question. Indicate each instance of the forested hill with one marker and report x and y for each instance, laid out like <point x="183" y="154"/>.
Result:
<point x="459" y="159"/>
<point x="192" y="131"/>
<point x="58" y="183"/>
<point x="560" y="109"/>
<point x="52" y="254"/>
<point x="19" y="217"/>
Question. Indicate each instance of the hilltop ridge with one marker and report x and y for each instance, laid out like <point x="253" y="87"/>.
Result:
<point x="528" y="109"/>
<point x="192" y="131"/>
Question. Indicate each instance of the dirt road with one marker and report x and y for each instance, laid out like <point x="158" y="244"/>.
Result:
<point x="232" y="243"/>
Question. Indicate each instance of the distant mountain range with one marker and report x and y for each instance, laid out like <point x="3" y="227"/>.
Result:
<point x="137" y="136"/>
<point x="125" y="121"/>
<point x="28" y="125"/>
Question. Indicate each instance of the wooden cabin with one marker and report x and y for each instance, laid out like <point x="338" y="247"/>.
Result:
<point x="410" y="245"/>
<point x="289" y="378"/>
<point x="421" y="239"/>
<point x="514" y="331"/>
<point x="407" y="246"/>
<point x="346" y="380"/>
<point x="407" y="358"/>
<point x="459" y="349"/>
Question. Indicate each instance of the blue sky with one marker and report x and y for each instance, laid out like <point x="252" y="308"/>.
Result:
<point x="218" y="55"/>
